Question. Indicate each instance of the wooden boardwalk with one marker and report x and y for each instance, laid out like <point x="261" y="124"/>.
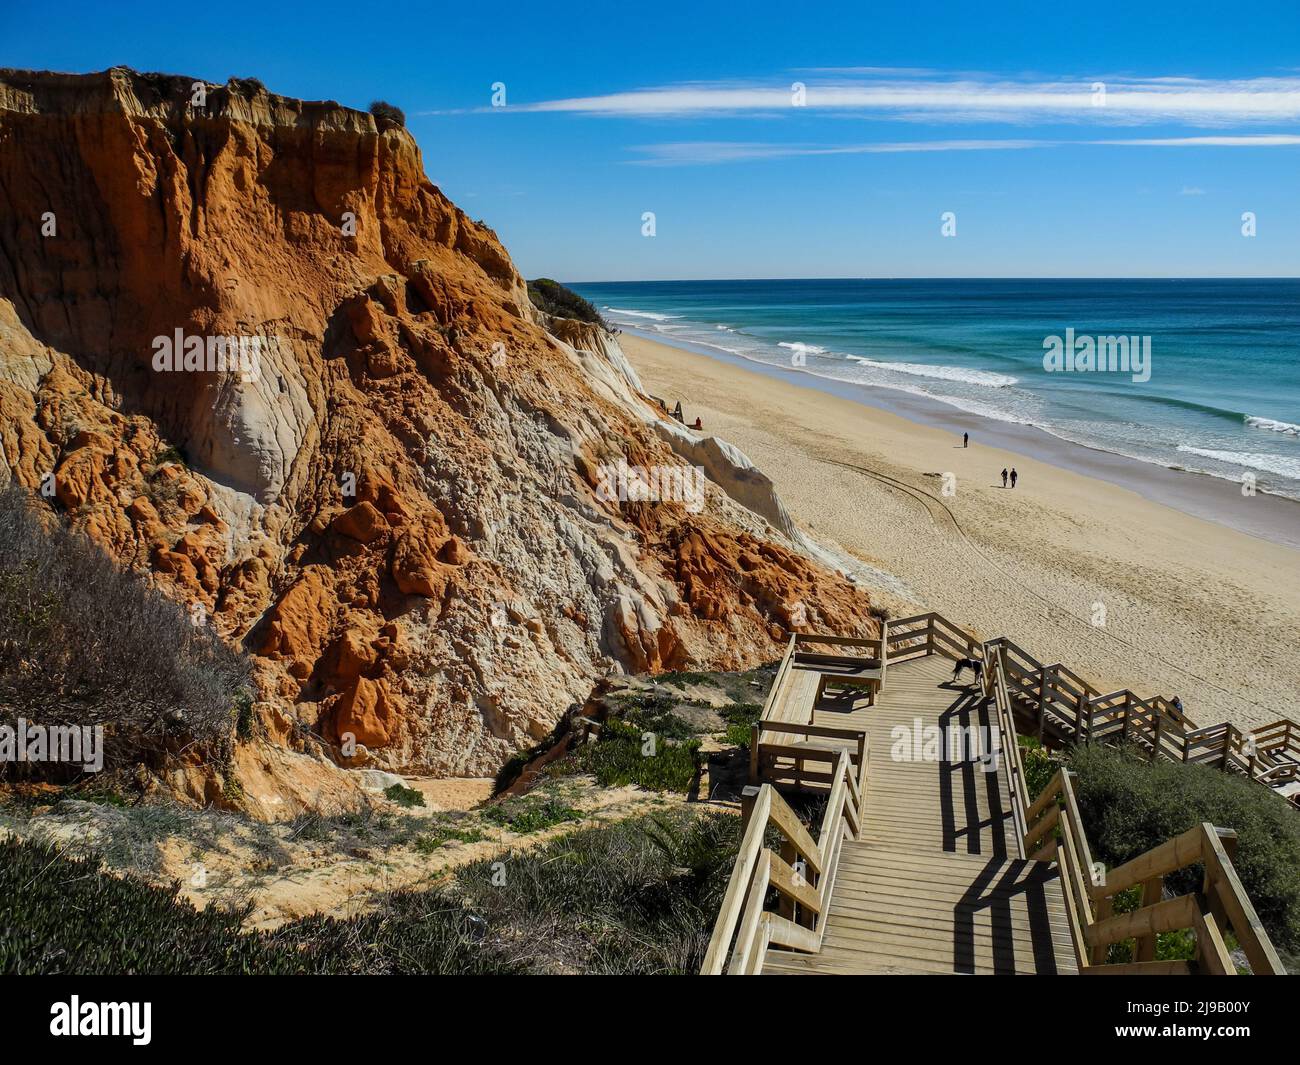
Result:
<point x="934" y="883"/>
<point x="949" y="806"/>
<point x="930" y="855"/>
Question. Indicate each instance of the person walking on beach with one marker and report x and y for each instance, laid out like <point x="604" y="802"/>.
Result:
<point x="1013" y="477"/>
<point x="965" y="439"/>
<point x="1004" y="476"/>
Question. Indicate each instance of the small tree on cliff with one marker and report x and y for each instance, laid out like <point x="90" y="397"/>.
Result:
<point x="562" y="302"/>
<point x="388" y="116"/>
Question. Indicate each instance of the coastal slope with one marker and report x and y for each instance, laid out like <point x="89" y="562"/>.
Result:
<point x="396" y="507"/>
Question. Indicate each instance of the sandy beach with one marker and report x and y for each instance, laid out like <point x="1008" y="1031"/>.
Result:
<point x="1190" y="606"/>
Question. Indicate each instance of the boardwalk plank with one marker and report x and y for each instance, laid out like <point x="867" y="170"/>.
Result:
<point x="935" y="883"/>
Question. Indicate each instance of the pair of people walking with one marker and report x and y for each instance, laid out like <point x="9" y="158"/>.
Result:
<point x="1006" y="474"/>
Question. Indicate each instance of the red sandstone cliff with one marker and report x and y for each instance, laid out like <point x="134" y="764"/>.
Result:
<point x="397" y="513"/>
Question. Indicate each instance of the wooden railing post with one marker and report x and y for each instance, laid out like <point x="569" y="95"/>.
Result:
<point x="884" y="649"/>
<point x="1155" y="742"/>
<point x="1042" y="701"/>
<point x="1208" y="881"/>
<point x="1105" y="907"/>
<point x="1153" y="891"/>
<point x="789" y="855"/>
<point x="1225" y="887"/>
<point x="748" y="796"/>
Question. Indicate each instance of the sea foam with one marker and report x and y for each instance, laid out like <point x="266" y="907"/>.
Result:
<point x="1272" y="425"/>
<point x="1254" y="460"/>
<point x="986" y="378"/>
<point x="643" y="314"/>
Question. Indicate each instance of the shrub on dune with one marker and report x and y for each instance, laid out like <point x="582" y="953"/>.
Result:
<point x="85" y="643"/>
<point x="1130" y="805"/>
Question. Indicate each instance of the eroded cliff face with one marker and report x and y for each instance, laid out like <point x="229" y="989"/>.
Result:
<point x="397" y="506"/>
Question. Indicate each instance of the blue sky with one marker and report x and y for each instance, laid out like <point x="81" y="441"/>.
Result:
<point x="685" y="110"/>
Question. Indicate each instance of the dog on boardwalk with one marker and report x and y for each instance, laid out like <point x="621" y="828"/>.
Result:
<point x="973" y="664"/>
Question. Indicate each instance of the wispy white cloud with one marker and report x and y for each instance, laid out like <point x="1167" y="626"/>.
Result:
<point x="704" y="153"/>
<point x="687" y="153"/>
<point x="1191" y="190"/>
<point x="1260" y="140"/>
<point x="1103" y="101"/>
<point x="913" y="72"/>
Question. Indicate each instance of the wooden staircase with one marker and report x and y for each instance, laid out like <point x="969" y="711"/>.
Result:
<point x="907" y="911"/>
<point x="950" y="804"/>
<point x="930" y="857"/>
<point x="933" y="882"/>
<point x="1058" y="707"/>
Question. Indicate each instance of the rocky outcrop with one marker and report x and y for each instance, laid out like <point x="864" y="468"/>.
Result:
<point x="730" y="468"/>
<point x="247" y="346"/>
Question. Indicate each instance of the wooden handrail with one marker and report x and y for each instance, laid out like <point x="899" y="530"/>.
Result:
<point x="1066" y="706"/>
<point x="902" y="634"/>
<point x="915" y="619"/>
<point x="800" y="658"/>
<point x="940" y="636"/>
<point x="812" y="753"/>
<point x="801" y="638"/>
<point x="1010" y="745"/>
<point x="884" y="649"/>
<point x="800" y="922"/>
<point x="774" y="692"/>
<point x="1278" y="775"/>
<point x="1055" y="832"/>
<point x="1017" y="651"/>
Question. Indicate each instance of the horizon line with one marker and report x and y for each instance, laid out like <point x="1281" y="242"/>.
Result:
<point x="949" y="277"/>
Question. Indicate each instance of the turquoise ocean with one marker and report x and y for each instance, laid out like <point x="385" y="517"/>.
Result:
<point x="1222" y="398"/>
